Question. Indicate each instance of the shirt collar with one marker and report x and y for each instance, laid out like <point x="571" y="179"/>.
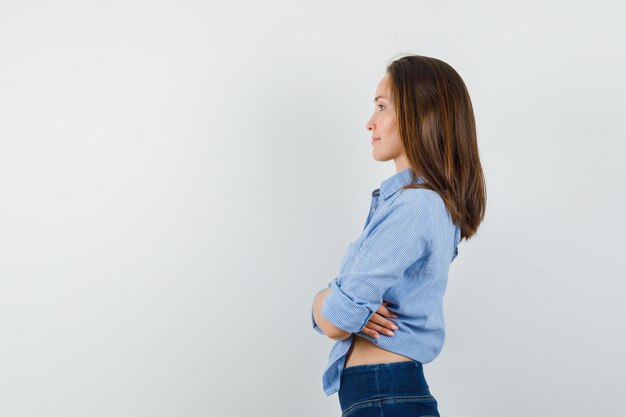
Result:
<point x="392" y="184"/>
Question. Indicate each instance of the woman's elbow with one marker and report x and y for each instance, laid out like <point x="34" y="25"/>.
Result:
<point x="338" y="334"/>
<point x="327" y="327"/>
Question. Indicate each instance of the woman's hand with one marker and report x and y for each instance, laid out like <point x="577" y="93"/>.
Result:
<point x="379" y="324"/>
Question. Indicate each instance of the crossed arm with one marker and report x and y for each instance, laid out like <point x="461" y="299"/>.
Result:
<point x="353" y="301"/>
<point x="327" y="327"/>
<point x="379" y="322"/>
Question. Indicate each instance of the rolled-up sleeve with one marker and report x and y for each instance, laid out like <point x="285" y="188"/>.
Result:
<point x="315" y="326"/>
<point x="395" y="243"/>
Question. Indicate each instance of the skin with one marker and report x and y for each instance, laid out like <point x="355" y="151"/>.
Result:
<point x="383" y="126"/>
<point x="378" y="323"/>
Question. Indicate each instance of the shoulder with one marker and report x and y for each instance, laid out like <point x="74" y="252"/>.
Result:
<point x="418" y="200"/>
<point x="424" y="199"/>
<point x="413" y="209"/>
<point x="432" y="206"/>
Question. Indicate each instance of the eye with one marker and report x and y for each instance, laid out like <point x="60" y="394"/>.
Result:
<point x="380" y="105"/>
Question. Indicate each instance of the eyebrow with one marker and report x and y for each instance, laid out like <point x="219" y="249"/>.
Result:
<point x="377" y="97"/>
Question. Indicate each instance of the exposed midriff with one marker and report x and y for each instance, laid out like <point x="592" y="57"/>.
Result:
<point x="364" y="352"/>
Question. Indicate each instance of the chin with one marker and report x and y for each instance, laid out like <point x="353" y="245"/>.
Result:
<point x="380" y="158"/>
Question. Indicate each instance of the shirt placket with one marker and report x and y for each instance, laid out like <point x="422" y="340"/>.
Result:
<point x="373" y="206"/>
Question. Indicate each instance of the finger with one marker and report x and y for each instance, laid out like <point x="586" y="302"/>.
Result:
<point x="385" y="304"/>
<point x="382" y="321"/>
<point x="380" y="328"/>
<point x="370" y="332"/>
<point x="384" y="311"/>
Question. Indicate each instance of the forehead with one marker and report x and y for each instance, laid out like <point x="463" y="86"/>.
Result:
<point x="383" y="88"/>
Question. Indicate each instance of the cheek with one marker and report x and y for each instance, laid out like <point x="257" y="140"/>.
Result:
<point x="383" y="126"/>
<point x="388" y="120"/>
<point x="390" y="128"/>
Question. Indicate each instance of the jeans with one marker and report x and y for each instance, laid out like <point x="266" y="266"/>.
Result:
<point x="395" y="389"/>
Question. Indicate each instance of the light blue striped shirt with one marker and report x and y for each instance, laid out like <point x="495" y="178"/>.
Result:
<point x="402" y="256"/>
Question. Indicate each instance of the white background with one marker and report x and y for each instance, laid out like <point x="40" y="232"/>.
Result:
<point x="178" y="179"/>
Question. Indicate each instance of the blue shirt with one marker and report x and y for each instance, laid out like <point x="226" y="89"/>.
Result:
<point x="402" y="256"/>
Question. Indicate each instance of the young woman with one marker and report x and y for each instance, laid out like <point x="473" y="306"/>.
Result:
<point x="385" y="308"/>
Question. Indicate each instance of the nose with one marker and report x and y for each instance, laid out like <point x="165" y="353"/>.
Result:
<point x="369" y="125"/>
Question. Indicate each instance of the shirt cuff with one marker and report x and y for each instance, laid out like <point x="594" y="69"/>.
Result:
<point x="315" y="326"/>
<point x="343" y="312"/>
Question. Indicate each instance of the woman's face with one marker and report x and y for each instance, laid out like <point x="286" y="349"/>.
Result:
<point x="384" y="127"/>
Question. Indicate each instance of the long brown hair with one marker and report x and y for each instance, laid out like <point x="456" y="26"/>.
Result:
<point x="438" y="132"/>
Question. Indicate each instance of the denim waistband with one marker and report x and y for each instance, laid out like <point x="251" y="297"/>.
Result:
<point x="382" y="380"/>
